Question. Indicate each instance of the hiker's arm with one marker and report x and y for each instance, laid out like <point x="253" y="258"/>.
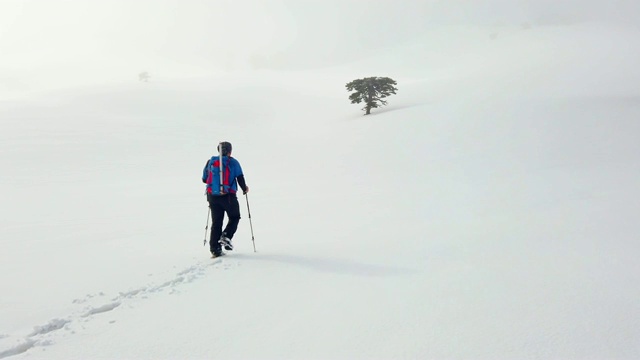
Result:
<point x="243" y="184"/>
<point x="204" y="172"/>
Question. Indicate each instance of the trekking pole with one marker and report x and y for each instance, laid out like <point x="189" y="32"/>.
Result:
<point x="206" y="227"/>
<point x="221" y="168"/>
<point x="250" y="223"/>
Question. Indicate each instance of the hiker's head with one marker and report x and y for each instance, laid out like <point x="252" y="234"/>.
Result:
<point x="225" y="148"/>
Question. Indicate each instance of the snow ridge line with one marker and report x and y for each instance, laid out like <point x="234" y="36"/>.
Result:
<point x="42" y="335"/>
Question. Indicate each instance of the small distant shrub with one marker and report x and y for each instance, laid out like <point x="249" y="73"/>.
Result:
<point x="144" y="76"/>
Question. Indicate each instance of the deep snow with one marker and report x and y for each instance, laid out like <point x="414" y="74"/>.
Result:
<point x="488" y="212"/>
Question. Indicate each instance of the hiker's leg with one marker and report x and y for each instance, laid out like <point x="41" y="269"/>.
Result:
<point x="232" y="207"/>
<point x="217" y="215"/>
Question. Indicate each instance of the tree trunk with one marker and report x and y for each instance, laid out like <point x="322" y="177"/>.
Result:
<point x="370" y="92"/>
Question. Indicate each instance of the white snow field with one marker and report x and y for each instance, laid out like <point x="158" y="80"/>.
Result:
<point x="490" y="211"/>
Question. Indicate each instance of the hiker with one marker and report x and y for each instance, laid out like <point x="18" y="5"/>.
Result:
<point x="221" y="196"/>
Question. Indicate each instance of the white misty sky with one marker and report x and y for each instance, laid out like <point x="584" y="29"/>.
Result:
<point x="66" y="40"/>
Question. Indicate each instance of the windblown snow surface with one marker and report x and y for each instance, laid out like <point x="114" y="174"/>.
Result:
<point x="490" y="211"/>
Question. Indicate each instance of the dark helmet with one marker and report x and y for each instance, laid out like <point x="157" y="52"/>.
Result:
<point x="225" y="148"/>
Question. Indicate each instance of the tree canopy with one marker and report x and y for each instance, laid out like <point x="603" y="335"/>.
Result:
<point x="371" y="91"/>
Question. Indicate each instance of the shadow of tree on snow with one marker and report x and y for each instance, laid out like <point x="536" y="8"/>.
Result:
<point x="385" y="109"/>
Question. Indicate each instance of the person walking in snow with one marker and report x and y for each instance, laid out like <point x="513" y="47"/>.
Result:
<point x="223" y="174"/>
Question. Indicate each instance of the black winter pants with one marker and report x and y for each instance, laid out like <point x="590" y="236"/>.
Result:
<point x="219" y="205"/>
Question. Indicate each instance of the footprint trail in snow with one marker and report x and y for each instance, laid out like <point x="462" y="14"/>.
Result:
<point x="93" y="305"/>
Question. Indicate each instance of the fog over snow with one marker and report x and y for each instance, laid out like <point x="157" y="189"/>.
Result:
<point x="46" y="44"/>
<point x="488" y="212"/>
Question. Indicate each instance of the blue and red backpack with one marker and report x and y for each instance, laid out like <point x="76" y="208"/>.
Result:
<point x="230" y="171"/>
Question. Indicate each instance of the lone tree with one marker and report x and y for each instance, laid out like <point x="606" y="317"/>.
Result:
<point x="371" y="91"/>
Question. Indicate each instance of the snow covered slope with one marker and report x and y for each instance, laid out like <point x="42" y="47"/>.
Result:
<point x="488" y="212"/>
